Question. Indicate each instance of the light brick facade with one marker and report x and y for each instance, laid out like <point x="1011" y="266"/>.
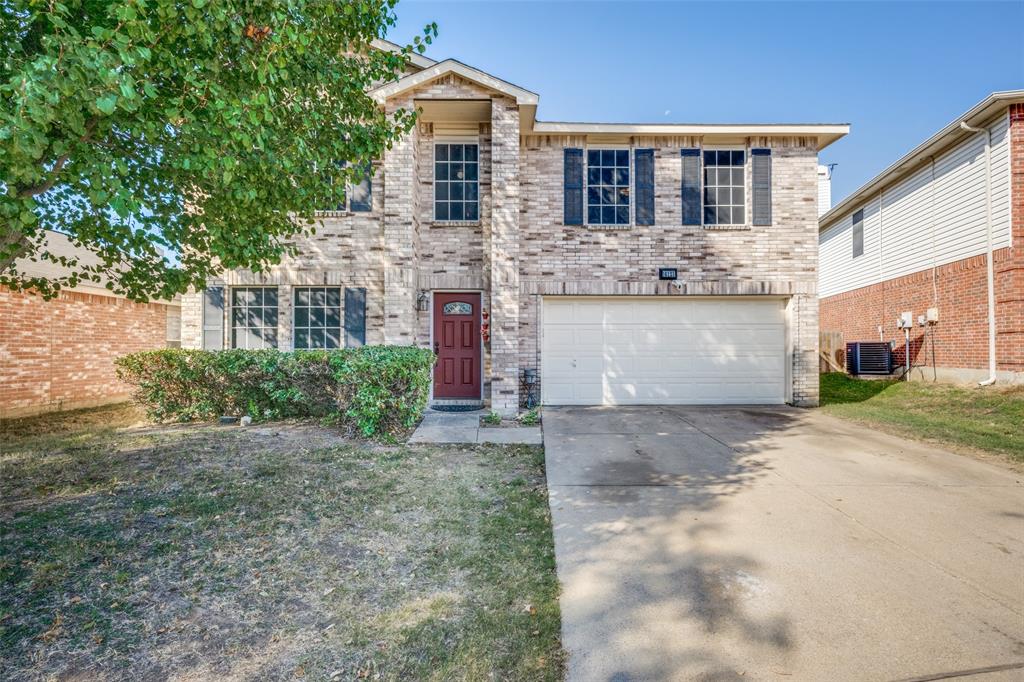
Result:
<point x="520" y="251"/>
<point x="59" y="354"/>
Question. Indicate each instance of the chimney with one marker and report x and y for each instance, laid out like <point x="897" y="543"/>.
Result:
<point x="824" y="189"/>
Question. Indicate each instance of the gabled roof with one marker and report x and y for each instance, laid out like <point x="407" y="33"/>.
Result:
<point x="950" y="135"/>
<point x="824" y="133"/>
<point x="522" y="97"/>
<point x="415" y="59"/>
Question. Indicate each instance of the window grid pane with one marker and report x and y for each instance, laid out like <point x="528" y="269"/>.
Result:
<point x="456" y="181"/>
<point x="317" y="317"/>
<point x="724" y="187"/>
<point x="254" y="317"/>
<point x="608" y="186"/>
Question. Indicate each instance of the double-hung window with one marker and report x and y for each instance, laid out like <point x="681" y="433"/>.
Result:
<point x="254" y="317"/>
<point x="858" y="233"/>
<point x="724" y="187"/>
<point x="357" y="198"/>
<point x="608" y="186"/>
<point x="456" y="181"/>
<point x="317" y="317"/>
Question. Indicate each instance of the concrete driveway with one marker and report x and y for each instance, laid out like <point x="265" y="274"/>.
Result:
<point x="779" y="544"/>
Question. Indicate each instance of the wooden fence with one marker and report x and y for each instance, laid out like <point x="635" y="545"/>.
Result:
<point x="832" y="352"/>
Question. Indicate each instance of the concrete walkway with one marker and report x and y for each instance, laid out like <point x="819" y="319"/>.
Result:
<point x="464" y="427"/>
<point x="779" y="544"/>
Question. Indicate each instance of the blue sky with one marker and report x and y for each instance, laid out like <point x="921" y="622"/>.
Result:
<point x="896" y="71"/>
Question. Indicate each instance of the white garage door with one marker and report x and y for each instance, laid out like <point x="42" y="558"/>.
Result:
<point x="658" y="351"/>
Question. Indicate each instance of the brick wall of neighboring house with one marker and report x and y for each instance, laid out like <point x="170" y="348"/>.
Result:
<point x="960" y="292"/>
<point x="1010" y="293"/>
<point x="59" y="354"/>
<point x="961" y="295"/>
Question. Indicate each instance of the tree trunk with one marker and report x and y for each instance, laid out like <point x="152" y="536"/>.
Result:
<point x="13" y="245"/>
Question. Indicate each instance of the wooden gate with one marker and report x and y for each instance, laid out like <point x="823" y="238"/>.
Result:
<point x="832" y="352"/>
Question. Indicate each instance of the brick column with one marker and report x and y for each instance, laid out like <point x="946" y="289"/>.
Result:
<point x="192" y="319"/>
<point x="803" y="326"/>
<point x="400" y="206"/>
<point x="504" y="256"/>
<point x="1010" y="273"/>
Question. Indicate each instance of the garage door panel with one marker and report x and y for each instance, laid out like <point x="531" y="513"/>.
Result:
<point x="644" y="351"/>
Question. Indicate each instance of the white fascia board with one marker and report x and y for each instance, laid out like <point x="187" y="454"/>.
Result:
<point x="415" y="58"/>
<point x="950" y="135"/>
<point x="523" y="97"/>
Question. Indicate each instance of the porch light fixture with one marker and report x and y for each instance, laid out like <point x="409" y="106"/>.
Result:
<point x="423" y="301"/>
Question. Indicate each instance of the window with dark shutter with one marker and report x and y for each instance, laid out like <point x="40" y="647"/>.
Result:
<point x="858" y="233"/>
<point x="355" y="317"/>
<point x="213" y="318"/>
<point x="691" y="186"/>
<point x="254" y="317"/>
<point x="360" y="197"/>
<point x="761" y="172"/>
<point x="725" y="202"/>
<point x="644" y="162"/>
<point x="573" y="187"/>
<point x="316" y="317"/>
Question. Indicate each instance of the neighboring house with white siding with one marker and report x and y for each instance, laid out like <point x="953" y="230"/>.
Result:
<point x="940" y="229"/>
<point x="605" y="263"/>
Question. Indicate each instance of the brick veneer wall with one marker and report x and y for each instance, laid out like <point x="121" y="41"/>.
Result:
<point x="960" y="292"/>
<point x="59" y="354"/>
<point x="519" y="249"/>
<point x="347" y="250"/>
<point x="780" y="259"/>
<point x="1010" y="275"/>
<point x="961" y="295"/>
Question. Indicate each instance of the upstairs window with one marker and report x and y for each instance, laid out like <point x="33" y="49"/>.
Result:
<point x="254" y="317"/>
<point x="724" y="187"/>
<point x="456" y="181"/>
<point x="858" y="233"/>
<point x="608" y="186"/>
<point x="357" y="198"/>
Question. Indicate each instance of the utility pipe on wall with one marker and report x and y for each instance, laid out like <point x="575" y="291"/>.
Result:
<point x="991" y="267"/>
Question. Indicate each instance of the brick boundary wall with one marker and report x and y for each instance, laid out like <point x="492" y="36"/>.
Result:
<point x="59" y="354"/>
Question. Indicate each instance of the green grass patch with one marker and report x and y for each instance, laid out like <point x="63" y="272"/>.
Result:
<point x="986" y="419"/>
<point x="276" y="552"/>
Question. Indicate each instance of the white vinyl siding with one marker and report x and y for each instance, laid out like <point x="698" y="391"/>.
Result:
<point x="907" y="243"/>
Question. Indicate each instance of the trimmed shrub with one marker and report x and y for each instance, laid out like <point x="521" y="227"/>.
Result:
<point x="377" y="390"/>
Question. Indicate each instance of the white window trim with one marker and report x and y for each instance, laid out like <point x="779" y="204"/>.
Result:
<point x="632" y="187"/>
<point x="747" y="218"/>
<point x="230" y="309"/>
<point x="292" y="307"/>
<point x="457" y="139"/>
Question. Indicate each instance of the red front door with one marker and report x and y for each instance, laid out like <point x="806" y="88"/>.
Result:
<point x="457" y="345"/>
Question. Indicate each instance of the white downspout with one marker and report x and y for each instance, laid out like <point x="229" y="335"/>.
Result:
<point x="991" y="267"/>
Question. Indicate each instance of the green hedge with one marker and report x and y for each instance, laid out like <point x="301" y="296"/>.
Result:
<point x="377" y="390"/>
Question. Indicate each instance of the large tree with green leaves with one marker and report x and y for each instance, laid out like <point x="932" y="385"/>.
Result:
<point x="175" y="138"/>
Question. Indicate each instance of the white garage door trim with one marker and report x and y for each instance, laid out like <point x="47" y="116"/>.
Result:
<point x="635" y="350"/>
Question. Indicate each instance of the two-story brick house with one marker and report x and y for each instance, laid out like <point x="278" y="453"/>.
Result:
<point x="509" y="244"/>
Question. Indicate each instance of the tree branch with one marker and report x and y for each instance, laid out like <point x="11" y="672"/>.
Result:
<point x="33" y="190"/>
